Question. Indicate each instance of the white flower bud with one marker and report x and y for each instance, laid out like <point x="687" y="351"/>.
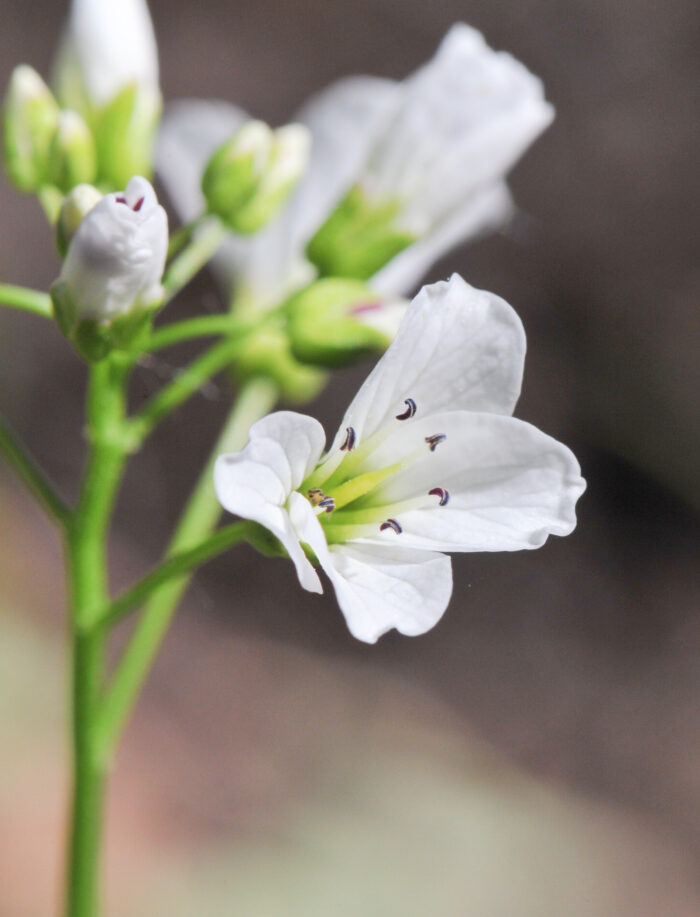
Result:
<point x="110" y="44"/>
<point x="75" y="207"/>
<point x="30" y="119"/>
<point x="116" y="258"/>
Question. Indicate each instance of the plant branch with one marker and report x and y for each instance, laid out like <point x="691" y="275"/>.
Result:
<point x="193" y="258"/>
<point x="185" y="562"/>
<point x="27" y="300"/>
<point x="198" y="519"/>
<point x="35" y="479"/>
<point x="175" y="393"/>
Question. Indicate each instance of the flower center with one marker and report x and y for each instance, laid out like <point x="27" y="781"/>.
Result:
<point x="346" y="493"/>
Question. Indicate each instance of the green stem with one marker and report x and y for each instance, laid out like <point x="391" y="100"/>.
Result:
<point x="193" y="258"/>
<point x="182" y="236"/>
<point x="33" y="476"/>
<point x="33" y="301"/>
<point x="186" y="562"/>
<point x="197" y="521"/>
<point x="87" y="563"/>
<point x="192" y="328"/>
<point x="189" y="381"/>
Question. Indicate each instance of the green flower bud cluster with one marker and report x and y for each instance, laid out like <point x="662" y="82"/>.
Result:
<point x="48" y="147"/>
<point x="249" y="178"/>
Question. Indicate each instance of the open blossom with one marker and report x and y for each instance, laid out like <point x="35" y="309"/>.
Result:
<point x="116" y="258"/>
<point x="110" y="45"/>
<point x="427" y="459"/>
<point x="435" y="147"/>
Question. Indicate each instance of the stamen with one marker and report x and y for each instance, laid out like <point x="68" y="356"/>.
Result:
<point x="349" y="441"/>
<point x="391" y="524"/>
<point x="137" y="206"/>
<point x="442" y="493"/>
<point x="120" y="200"/>
<point x="435" y="440"/>
<point x="318" y="498"/>
<point x="328" y="503"/>
<point x="410" y="410"/>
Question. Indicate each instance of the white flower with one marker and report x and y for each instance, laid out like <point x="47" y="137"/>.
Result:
<point x="116" y="258"/>
<point x="427" y="459"/>
<point x="109" y="45"/>
<point x="439" y="143"/>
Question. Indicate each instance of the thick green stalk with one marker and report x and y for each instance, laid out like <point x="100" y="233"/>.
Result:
<point x="28" y="300"/>
<point x="35" y="479"/>
<point x="87" y="563"/>
<point x="196" y="523"/>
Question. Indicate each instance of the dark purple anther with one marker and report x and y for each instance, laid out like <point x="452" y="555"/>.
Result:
<point x="349" y="441"/>
<point x="434" y="441"/>
<point x="442" y="493"/>
<point x="137" y="206"/>
<point x="410" y="409"/>
<point x="391" y="524"/>
<point x="328" y="503"/>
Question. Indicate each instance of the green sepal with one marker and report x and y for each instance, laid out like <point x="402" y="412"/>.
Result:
<point x="358" y="238"/>
<point x="94" y="339"/>
<point x="323" y="330"/>
<point x="124" y="134"/>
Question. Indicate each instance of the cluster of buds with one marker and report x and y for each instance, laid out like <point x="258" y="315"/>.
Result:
<point x="100" y="125"/>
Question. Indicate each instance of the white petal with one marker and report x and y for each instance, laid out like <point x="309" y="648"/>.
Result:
<point x="457" y="348"/>
<point x="256" y="483"/>
<point x="380" y="587"/>
<point x="114" y="44"/>
<point x="484" y="212"/>
<point x="345" y="120"/>
<point x="509" y="484"/>
<point x="467" y="117"/>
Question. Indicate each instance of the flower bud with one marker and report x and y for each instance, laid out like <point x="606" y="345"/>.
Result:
<point x="248" y="178"/>
<point x="108" y="71"/>
<point x="359" y="237"/>
<point x="109" y="45"/>
<point x="74" y="208"/>
<point x="267" y="353"/>
<point x="30" y="120"/>
<point x="71" y="152"/>
<point x="110" y="282"/>
<point x="336" y="321"/>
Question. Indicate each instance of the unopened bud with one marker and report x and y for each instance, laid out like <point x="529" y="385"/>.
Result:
<point x="71" y="152"/>
<point x="110" y="282"/>
<point x="335" y="321"/>
<point x="359" y="237"/>
<point x="74" y="208"/>
<point x="29" y="120"/>
<point x="249" y="178"/>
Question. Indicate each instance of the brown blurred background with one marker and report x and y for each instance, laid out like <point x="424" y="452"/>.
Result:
<point x="538" y="752"/>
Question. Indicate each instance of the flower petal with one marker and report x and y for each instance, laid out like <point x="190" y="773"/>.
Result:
<point x="457" y="348"/>
<point x="381" y="587"/>
<point x="345" y="119"/>
<point x="509" y="484"/>
<point x="257" y="482"/>
<point x="483" y="212"/>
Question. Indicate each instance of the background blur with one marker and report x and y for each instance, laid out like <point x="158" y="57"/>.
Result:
<point x="537" y="753"/>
